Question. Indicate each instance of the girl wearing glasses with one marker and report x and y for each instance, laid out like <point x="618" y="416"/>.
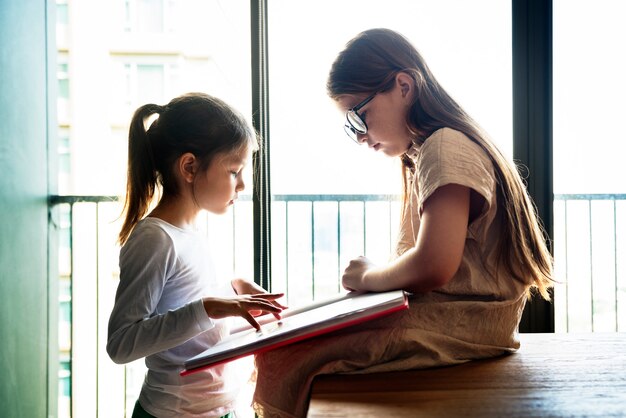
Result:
<point x="470" y="249"/>
<point x="167" y="306"/>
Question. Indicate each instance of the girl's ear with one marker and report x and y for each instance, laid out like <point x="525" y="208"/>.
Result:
<point x="406" y="84"/>
<point x="188" y="166"/>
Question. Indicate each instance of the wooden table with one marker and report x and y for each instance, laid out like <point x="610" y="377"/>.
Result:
<point x="552" y="375"/>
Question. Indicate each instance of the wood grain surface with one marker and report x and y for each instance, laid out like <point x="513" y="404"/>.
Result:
<point x="552" y="375"/>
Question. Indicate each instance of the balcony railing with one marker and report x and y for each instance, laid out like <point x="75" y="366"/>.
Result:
<point x="313" y="238"/>
<point x="590" y="262"/>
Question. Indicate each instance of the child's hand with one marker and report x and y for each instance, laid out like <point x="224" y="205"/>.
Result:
<point x="246" y="287"/>
<point x="242" y="306"/>
<point x="354" y="275"/>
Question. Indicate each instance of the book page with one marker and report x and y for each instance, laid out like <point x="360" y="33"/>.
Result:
<point x="239" y="324"/>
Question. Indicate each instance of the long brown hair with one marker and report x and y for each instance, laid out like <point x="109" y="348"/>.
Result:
<point x="195" y="122"/>
<point x="364" y="66"/>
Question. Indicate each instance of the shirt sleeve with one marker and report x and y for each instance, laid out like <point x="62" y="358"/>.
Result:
<point x="147" y="260"/>
<point x="450" y="157"/>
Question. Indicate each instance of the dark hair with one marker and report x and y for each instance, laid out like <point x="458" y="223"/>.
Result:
<point x="195" y="122"/>
<point x="366" y="65"/>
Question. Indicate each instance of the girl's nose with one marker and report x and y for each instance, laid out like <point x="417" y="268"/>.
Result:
<point x="240" y="185"/>
<point x="361" y="138"/>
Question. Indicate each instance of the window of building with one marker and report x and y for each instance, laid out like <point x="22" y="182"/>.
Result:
<point x="144" y="16"/>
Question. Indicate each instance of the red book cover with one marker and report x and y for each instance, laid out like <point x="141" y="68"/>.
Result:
<point x="317" y="318"/>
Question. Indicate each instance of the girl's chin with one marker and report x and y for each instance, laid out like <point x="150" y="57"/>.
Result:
<point x="392" y="152"/>
<point x="219" y="211"/>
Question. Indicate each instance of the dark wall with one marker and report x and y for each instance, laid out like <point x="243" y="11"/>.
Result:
<point x="24" y="289"/>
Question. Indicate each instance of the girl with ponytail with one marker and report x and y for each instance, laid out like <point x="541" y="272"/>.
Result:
<point x="167" y="308"/>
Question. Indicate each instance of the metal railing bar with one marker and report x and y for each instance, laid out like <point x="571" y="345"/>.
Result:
<point x="615" y="264"/>
<point x="287" y="249"/>
<point x="566" y="267"/>
<point x="71" y="199"/>
<point x="591" y="265"/>
<point x="71" y="315"/>
<point x="596" y="196"/>
<point x="57" y="199"/>
<point x="234" y="241"/>
<point x="312" y="249"/>
<point x="333" y="197"/>
<point x="391" y="249"/>
<point x="364" y="226"/>
<point x="339" y="246"/>
<point x="98" y="308"/>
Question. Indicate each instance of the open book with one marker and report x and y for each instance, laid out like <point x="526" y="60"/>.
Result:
<point x="297" y="324"/>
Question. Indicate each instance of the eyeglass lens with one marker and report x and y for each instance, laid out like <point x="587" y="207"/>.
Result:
<point x="356" y="122"/>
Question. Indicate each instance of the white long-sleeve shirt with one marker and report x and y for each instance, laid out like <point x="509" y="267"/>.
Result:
<point x="165" y="272"/>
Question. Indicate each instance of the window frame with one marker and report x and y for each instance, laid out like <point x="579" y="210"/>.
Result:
<point x="532" y="127"/>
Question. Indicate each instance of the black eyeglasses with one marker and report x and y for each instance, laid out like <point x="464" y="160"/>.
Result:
<point x="355" y="124"/>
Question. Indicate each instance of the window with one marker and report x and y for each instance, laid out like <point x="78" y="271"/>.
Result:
<point x="144" y="16"/>
<point x="65" y="161"/>
<point x="150" y="84"/>
<point x="63" y="88"/>
<point x="62" y="21"/>
<point x="590" y="203"/>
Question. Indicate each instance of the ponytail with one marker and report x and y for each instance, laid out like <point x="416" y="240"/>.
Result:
<point x="142" y="175"/>
<point x="194" y="122"/>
